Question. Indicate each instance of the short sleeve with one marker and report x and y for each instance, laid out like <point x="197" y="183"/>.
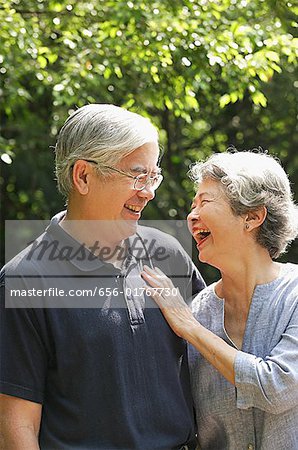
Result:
<point x="24" y="358"/>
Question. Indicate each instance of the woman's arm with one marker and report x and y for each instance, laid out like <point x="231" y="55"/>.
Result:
<point x="179" y="316"/>
<point x="269" y="383"/>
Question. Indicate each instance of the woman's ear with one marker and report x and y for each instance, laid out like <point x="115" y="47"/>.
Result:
<point x="80" y="176"/>
<point x="255" y="218"/>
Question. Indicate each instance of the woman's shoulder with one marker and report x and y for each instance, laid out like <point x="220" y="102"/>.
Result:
<point x="290" y="268"/>
<point x="289" y="275"/>
<point x="289" y="281"/>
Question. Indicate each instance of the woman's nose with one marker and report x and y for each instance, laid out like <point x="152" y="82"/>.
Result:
<point x="193" y="215"/>
<point x="191" y="218"/>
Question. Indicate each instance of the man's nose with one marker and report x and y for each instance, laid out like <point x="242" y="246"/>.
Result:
<point x="148" y="192"/>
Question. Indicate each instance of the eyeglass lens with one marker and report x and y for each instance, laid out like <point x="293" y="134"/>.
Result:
<point x="143" y="180"/>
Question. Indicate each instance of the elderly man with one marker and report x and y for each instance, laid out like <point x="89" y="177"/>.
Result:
<point x="102" y="372"/>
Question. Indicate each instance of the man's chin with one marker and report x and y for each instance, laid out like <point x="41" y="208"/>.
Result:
<point x="126" y="228"/>
<point x="116" y="230"/>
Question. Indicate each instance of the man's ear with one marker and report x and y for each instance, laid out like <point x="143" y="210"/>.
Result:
<point x="80" y="176"/>
<point x="254" y="219"/>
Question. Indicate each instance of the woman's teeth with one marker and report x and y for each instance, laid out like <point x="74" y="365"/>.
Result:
<point x="202" y="233"/>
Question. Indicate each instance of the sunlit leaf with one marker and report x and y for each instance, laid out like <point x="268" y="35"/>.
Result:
<point x="259" y="98"/>
<point x="224" y="100"/>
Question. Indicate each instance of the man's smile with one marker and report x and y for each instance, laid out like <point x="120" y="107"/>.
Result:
<point x="134" y="208"/>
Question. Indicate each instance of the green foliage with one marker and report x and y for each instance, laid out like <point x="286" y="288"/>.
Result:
<point x="208" y="73"/>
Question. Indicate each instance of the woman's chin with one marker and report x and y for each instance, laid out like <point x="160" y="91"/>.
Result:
<point x="203" y="258"/>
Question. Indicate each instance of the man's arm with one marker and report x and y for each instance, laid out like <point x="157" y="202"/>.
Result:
<point x="19" y="423"/>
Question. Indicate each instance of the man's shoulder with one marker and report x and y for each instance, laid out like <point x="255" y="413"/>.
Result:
<point x="29" y="259"/>
<point x="26" y="260"/>
<point x="166" y="252"/>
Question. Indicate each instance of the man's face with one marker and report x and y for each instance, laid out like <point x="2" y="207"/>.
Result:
<point x="114" y="198"/>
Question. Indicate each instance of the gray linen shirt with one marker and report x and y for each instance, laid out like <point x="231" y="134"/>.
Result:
<point x="261" y="411"/>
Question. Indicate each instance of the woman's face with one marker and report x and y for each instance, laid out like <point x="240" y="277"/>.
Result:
<point x="217" y="231"/>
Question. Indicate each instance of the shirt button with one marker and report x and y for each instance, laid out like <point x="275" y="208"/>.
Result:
<point x="250" y="447"/>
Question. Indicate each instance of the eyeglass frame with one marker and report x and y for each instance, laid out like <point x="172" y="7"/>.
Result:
<point x="136" y="178"/>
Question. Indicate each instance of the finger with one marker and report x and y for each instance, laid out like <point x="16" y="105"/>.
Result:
<point x="151" y="279"/>
<point x="155" y="295"/>
<point x="148" y="270"/>
<point x="160" y="274"/>
<point x="160" y="277"/>
<point x="164" y="277"/>
<point x="156" y="272"/>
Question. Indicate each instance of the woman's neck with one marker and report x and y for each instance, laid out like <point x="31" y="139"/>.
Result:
<point x="240" y="278"/>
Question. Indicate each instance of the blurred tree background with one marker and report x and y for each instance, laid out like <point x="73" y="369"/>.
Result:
<point x="209" y="74"/>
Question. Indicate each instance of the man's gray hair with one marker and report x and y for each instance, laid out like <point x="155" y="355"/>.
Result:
<point x="105" y="133"/>
<point x="249" y="180"/>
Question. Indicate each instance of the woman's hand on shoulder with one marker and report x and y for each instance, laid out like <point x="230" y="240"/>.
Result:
<point x="168" y="298"/>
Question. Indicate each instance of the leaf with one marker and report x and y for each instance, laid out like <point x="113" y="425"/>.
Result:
<point x="234" y="97"/>
<point x="118" y="72"/>
<point x="168" y="103"/>
<point x="42" y="61"/>
<point x="263" y="76"/>
<point x="191" y="102"/>
<point x="272" y="56"/>
<point x="107" y="73"/>
<point x="259" y="98"/>
<point x="224" y="100"/>
<point x="52" y="58"/>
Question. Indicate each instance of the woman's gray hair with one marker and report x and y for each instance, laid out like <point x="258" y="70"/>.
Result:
<point x="105" y="133"/>
<point x="249" y="180"/>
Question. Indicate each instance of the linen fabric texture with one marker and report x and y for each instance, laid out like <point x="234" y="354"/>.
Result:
<point x="261" y="410"/>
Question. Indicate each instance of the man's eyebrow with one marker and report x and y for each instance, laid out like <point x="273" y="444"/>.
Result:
<point x="142" y="169"/>
<point x="138" y="169"/>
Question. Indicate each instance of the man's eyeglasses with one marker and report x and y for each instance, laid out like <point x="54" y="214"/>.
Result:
<point x="140" y="181"/>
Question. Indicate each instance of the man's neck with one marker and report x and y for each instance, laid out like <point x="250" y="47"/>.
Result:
<point x="93" y="239"/>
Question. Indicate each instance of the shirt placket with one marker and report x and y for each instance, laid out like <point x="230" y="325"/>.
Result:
<point x="133" y="290"/>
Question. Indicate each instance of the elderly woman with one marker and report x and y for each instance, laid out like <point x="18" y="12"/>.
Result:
<point x="243" y="329"/>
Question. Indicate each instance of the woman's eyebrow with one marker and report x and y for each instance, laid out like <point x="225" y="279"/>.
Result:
<point x="203" y="193"/>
